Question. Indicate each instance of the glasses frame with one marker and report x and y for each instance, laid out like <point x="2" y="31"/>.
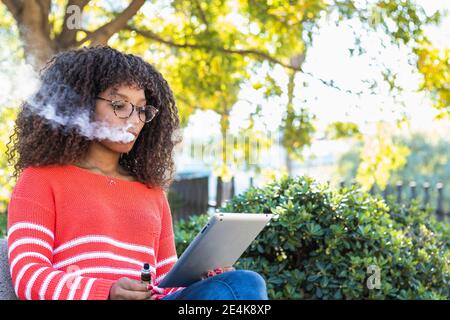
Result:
<point x="134" y="107"/>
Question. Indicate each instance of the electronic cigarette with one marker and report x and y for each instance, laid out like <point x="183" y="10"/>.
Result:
<point x="146" y="276"/>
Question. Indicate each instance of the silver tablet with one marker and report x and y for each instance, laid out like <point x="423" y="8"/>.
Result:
<point x="219" y="244"/>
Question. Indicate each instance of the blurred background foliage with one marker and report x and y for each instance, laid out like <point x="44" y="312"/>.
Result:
<point x="208" y="50"/>
<point x="426" y="154"/>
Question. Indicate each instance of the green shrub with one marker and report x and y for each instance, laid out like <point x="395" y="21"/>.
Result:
<point x="323" y="241"/>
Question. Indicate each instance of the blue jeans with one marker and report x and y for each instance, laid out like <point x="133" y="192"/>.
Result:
<point x="231" y="285"/>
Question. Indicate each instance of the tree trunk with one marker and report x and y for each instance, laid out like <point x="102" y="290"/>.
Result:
<point x="32" y="18"/>
<point x="288" y="122"/>
<point x="37" y="47"/>
<point x="288" y="163"/>
<point x="296" y="62"/>
<point x="224" y="125"/>
<point x="34" y="29"/>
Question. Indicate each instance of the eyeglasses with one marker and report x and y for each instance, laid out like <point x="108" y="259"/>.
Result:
<point x="124" y="109"/>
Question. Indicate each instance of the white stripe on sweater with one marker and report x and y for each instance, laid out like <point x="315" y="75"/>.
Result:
<point x="122" y="271"/>
<point x="159" y="279"/>
<point x="31" y="282"/>
<point x="20" y="276"/>
<point x="104" y="239"/>
<point x="166" y="261"/>
<point x="29" y="225"/>
<point x="171" y="290"/>
<point x="27" y="254"/>
<point x="46" y="283"/>
<point x="87" y="289"/>
<point x="158" y="290"/>
<point x="35" y="241"/>
<point x="98" y="255"/>
<point x="60" y="285"/>
<point x="74" y="287"/>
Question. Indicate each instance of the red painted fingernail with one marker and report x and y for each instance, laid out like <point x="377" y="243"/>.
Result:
<point x="150" y="287"/>
<point x="210" y="274"/>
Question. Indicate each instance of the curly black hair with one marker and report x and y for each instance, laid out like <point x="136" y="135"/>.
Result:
<point x="87" y="72"/>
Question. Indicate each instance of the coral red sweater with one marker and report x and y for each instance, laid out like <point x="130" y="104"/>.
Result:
<point x="72" y="233"/>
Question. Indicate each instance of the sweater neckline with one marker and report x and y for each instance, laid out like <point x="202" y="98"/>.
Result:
<point x="102" y="175"/>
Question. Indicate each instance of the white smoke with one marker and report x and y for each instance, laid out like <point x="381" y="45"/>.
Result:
<point x="90" y="129"/>
<point x="16" y="82"/>
<point x="19" y="82"/>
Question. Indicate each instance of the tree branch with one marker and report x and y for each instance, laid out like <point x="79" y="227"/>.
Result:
<point x="202" y="14"/>
<point x="151" y="35"/>
<point x="67" y="37"/>
<point x="102" y="34"/>
<point x="15" y="7"/>
<point x="295" y="63"/>
<point x="45" y="9"/>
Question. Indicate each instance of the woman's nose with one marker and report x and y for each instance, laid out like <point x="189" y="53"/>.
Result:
<point x="134" y="118"/>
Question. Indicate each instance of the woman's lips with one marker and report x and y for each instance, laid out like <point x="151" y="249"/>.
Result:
<point x="129" y="138"/>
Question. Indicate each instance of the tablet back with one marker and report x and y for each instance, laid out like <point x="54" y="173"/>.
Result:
<point x="219" y="244"/>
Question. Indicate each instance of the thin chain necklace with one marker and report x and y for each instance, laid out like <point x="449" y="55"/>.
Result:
<point x="110" y="180"/>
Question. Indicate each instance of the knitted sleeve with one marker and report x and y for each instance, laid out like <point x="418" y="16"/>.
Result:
<point x="166" y="253"/>
<point x="31" y="225"/>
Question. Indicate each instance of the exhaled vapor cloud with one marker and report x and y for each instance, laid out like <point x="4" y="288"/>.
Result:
<point x="56" y="102"/>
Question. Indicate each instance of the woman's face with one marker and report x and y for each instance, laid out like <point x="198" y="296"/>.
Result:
<point x="104" y="111"/>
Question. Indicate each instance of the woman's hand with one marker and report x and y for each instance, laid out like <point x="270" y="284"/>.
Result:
<point x="212" y="273"/>
<point x="129" y="289"/>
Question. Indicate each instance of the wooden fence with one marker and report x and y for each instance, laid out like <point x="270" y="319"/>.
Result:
<point x="190" y="195"/>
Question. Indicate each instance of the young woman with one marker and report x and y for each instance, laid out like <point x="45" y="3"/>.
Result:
<point x="86" y="214"/>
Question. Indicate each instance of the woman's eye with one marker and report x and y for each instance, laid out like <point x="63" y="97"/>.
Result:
<point x="118" y="104"/>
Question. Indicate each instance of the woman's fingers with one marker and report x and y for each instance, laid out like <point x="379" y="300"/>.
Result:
<point x="129" y="289"/>
<point x="123" y="294"/>
<point x="139" y="295"/>
<point x="227" y="269"/>
<point x="134" y="285"/>
<point x="208" y="274"/>
<point x="153" y="294"/>
<point x="216" y="271"/>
